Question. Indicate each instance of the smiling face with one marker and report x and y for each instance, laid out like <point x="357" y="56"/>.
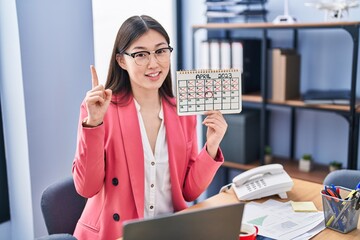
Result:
<point x="148" y="77"/>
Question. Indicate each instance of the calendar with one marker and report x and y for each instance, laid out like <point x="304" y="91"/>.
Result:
<point x="199" y="91"/>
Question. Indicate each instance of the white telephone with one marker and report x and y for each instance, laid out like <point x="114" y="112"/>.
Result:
<point x="261" y="182"/>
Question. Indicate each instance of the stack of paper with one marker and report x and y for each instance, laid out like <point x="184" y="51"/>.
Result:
<point x="236" y="8"/>
<point x="278" y="220"/>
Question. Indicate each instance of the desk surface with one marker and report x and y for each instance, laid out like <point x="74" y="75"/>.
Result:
<point x="302" y="191"/>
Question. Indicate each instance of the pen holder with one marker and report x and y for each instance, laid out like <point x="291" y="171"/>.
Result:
<point x="340" y="214"/>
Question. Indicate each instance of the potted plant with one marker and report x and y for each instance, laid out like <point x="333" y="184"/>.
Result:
<point x="335" y="165"/>
<point x="305" y="163"/>
<point x="268" y="156"/>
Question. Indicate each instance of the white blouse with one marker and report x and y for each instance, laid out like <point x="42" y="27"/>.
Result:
<point x="158" y="198"/>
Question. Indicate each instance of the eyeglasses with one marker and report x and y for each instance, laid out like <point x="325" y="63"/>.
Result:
<point x="143" y="57"/>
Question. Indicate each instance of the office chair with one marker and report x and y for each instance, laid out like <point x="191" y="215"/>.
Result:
<point x="61" y="207"/>
<point x="345" y="177"/>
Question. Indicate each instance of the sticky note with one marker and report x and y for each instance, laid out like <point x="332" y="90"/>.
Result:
<point x="303" y="206"/>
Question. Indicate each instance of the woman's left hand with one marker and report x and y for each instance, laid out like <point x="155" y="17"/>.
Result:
<point x="216" y="128"/>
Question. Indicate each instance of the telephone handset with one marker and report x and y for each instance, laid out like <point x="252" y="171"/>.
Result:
<point x="261" y="182"/>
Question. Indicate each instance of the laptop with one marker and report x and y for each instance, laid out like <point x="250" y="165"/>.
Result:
<point x="222" y="222"/>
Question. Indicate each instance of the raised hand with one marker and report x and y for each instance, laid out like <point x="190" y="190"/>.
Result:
<point x="97" y="100"/>
<point x="216" y="128"/>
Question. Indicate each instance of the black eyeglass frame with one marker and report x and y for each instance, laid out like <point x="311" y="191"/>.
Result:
<point x="149" y="52"/>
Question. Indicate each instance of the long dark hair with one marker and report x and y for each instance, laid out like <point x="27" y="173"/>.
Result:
<point x="118" y="79"/>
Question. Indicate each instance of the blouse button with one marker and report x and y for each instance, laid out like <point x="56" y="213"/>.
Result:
<point x="116" y="217"/>
<point x="115" y="181"/>
<point x="152" y="163"/>
<point x="152" y="185"/>
<point x="151" y="207"/>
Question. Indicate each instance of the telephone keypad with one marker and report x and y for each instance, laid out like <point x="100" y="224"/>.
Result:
<point x="252" y="186"/>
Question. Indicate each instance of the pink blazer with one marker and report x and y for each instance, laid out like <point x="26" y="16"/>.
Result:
<point x="108" y="168"/>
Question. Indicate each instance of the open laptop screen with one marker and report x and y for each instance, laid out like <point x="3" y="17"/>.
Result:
<point x="222" y="222"/>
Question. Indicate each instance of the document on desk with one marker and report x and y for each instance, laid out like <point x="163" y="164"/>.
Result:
<point x="277" y="220"/>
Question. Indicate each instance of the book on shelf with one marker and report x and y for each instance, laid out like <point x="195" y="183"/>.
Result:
<point x="237" y="55"/>
<point x="339" y="97"/>
<point x="225" y="54"/>
<point x="285" y="74"/>
<point x="204" y="57"/>
<point x="214" y="54"/>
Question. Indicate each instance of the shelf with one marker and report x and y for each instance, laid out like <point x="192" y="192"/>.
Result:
<point x="300" y="104"/>
<point x="256" y="98"/>
<point x="275" y="26"/>
<point x="317" y="174"/>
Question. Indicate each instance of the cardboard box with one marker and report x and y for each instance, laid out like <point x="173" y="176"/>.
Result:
<point x="285" y="75"/>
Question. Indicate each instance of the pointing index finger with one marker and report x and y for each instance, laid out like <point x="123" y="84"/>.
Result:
<point x="94" y="77"/>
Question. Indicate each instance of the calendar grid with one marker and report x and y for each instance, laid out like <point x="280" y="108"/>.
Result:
<point x="201" y="91"/>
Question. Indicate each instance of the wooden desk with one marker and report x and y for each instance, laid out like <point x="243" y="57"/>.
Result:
<point x="302" y="191"/>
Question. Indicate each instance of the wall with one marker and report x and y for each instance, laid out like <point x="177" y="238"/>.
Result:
<point x="325" y="63"/>
<point x="107" y="21"/>
<point x="56" y="49"/>
<point x="14" y="124"/>
<point x="45" y="58"/>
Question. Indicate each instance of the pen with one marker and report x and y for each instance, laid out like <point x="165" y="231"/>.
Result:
<point x="331" y="219"/>
<point x="336" y="191"/>
<point x="338" y="220"/>
<point x="357" y="205"/>
<point x="333" y="194"/>
<point x="329" y="196"/>
<point x="351" y="195"/>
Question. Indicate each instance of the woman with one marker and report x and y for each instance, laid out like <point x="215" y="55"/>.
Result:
<point x="135" y="156"/>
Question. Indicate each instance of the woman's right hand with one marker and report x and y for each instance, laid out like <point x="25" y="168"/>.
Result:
<point x="97" y="100"/>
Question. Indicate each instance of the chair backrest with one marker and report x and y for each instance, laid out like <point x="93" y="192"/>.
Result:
<point x="345" y="177"/>
<point x="62" y="206"/>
